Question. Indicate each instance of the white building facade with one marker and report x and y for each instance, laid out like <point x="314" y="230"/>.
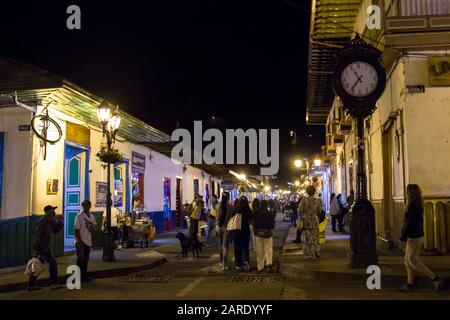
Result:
<point x="407" y="137"/>
<point x="146" y="179"/>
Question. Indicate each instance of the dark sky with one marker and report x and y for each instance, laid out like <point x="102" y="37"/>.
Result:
<point x="164" y="61"/>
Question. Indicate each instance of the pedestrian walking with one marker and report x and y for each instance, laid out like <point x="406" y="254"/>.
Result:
<point x="84" y="225"/>
<point x="264" y="222"/>
<point x="47" y="225"/>
<point x="195" y="211"/>
<point x="412" y="233"/>
<point x="311" y="208"/>
<point x="212" y="215"/>
<point x="255" y="206"/>
<point x="224" y="211"/>
<point x="351" y="199"/>
<point x="241" y="237"/>
<point x="342" y="212"/>
<point x="294" y="211"/>
<point x="335" y="212"/>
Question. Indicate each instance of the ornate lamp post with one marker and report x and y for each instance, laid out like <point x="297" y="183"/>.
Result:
<point x="110" y="121"/>
<point x="359" y="80"/>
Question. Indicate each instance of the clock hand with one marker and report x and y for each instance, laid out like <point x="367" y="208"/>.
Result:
<point x="353" y="87"/>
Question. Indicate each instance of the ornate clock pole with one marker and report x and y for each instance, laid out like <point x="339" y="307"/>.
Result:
<point x="359" y="80"/>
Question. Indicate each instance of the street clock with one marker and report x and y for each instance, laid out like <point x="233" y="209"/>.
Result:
<point x="359" y="77"/>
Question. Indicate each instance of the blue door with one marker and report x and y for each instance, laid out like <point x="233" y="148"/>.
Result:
<point x="75" y="188"/>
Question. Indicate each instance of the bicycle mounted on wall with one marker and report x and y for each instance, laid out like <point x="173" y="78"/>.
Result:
<point x="43" y="126"/>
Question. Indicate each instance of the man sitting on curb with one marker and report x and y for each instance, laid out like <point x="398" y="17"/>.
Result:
<point x="45" y="227"/>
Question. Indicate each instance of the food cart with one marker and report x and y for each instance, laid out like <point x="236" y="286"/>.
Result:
<point x="136" y="229"/>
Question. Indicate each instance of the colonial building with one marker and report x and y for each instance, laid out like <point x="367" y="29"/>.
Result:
<point x="146" y="179"/>
<point x="407" y="137"/>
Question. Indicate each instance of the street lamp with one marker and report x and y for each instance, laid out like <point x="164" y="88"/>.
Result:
<point x="298" y="163"/>
<point x="317" y="162"/>
<point x="110" y="121"/>
<point x="297" y="183"/>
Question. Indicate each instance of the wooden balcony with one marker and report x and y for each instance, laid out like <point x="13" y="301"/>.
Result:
<point x="418" y="23"/>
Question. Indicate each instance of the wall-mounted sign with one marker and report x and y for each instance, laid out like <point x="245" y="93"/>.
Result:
<point x="138" y="161"/>
<point x="78" y="134"/>
<point x="101" y="194"/>
<point x="416" y="89"/>
<point x="24" y="127"/>
<point x="439" y="71"/>
<point x="52" y="186"/>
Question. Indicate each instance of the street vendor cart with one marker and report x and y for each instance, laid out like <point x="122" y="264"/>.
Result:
<point x="136" y="229"/>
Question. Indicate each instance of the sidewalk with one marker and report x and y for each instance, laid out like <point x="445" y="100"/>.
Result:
<point x="162" y="249"/>
<point x="333" y="264"/>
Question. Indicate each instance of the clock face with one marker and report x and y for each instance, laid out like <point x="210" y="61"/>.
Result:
<point x="359" y="79"/>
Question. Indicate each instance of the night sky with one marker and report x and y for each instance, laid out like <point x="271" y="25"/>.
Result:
<point x="167" y="61"/>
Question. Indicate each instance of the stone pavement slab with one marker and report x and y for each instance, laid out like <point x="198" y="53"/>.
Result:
<point x="333" y="265"/>
<point x="164" y="247"/>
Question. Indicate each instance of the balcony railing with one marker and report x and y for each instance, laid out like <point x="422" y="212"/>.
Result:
<point x="417" y="16"/>
<point x="410" y="8"/>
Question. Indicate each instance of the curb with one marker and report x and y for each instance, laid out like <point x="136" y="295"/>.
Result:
<point x="98" y="274"/>
<point x="293" y="272"/>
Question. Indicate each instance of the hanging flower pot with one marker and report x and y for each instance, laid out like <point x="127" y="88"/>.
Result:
<point x="112" y="155"/>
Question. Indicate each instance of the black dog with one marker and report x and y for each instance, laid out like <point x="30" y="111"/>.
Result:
<point x="194" y="244"/>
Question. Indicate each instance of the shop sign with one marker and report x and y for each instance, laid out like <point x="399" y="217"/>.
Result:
<point x="138" y="161"/>
<point x="77" y="133"/>
<point x="415" y="89"/>
<point x="24" y="127"/>
<point x="101" y="194"/>
<point x="52" y="186"/>
<point x="439" y="71"/>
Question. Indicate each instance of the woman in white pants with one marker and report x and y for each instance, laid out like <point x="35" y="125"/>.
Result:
<point x="412" y="234"/>
<point x="264" y="223"/>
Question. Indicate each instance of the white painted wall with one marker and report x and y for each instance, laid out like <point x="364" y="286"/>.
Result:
<point x="16" y="162"/>
<point x="22" y="159"/>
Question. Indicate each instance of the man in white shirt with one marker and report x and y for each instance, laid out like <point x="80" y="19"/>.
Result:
<point x="84" y="225"/>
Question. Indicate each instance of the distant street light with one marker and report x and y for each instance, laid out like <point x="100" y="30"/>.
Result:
<point x="297" y="183"/>
<point x="298" y="163"/>
<point x="317" y="162"/>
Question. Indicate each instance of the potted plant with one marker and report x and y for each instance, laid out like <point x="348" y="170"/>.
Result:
<point x="112" y="155"/>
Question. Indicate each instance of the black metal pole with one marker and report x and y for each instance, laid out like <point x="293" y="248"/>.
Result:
<point x="108" y="245"/>
<point x="363" y="252"/>
<point x="361" y="180"/>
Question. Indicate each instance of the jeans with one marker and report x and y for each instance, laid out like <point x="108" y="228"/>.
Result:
<point x="52" y="267"/>
<point x="241" y="239"/>
<point x="83" y="252"/>
<point x="224" y="244"/>
<point x="264" y="252"/>
<point x="211" y="229"/>
<point x="294" y="216"/>
<point x="339" y="219"/>
<point x="413" y="263"/>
